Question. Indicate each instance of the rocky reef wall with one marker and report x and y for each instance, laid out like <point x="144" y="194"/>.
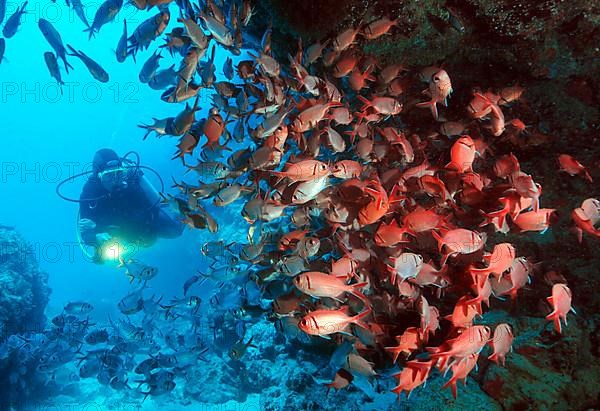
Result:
<point x="24" y="294"/>
<point x="24" y="290"/>
<point x="551" y="48"/>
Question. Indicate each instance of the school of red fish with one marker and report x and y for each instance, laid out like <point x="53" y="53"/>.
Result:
<point x="378" y="226"/>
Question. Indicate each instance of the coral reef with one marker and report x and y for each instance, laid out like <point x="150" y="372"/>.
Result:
<point x="551" y="47"/>
<point x="24" y="290"/>
<point x="24" y="294"/>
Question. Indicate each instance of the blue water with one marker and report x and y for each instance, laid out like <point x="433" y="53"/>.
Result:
<point x="48" y="137"/>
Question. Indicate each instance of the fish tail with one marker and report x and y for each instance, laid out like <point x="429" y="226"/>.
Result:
<point x="398" y="390"/>
<point x="67" y="66"/>
<point x="72" y="53"/>
<point x="438" y="239"/>
<point x="396" y="195"/>
<point x="365" y="101"/>
<point x="500" y="215"/>
<point x="442" y="360"/>
<point x="579" y="232"/>
<point x="91" y="32"/>
<point x="431" y="105"/>
<point x="359" y="294"/>
<point x="395" y="353"/>
<point x="494" y="358"/>
<point x="553" y="316"/>
<point x="452" y="383"/>
<point x="357" y="318"/>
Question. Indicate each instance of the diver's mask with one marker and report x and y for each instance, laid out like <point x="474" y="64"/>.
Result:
<point x="115" y="177"/>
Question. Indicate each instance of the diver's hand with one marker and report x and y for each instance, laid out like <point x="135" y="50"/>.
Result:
<point x="85" y="224"/>
<point x="101" y="238"/>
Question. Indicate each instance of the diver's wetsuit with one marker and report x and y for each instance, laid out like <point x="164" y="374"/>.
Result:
<point x="126" y="214"/>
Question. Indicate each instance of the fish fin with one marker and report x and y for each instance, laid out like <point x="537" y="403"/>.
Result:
<point x="359" y="294"/>
<point x="431" y="104"/>
<point x="579" y="233"/>
<point x="438" y="239"/>
<point x="395" y="352"/>
<point x="357" y="319"/>
<point x="73" y="52"/>
<point x="91" y="31"/>
<point x="553" y="316"/>
<point x="366" y="102"/>
<point x="452" y="384"/>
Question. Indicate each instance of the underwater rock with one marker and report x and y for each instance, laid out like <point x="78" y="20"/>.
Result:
<point x="24" y="294"/>
<point x="550" y="47"/>
<point x="24" y="290"/>
<point x="550" y="372"/>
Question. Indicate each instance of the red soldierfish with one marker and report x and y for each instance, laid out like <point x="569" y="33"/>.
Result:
<point x="389" y="235"/>
<point x="585" y="217"/>
<point x="464" y="313"/>
<point x="439" y="89"/>
<point x="310" y="117"/>
<point x="325" y="322"/>
<point x="378" y="28"/>
<point x="346" y="169"/>
<point x="501" y="343"/>
<point x="538" y="220"/>
<point x="498" y="261"/>
<point x="377" y="207"/>
<point x="413" y="375"/>
<point x="408" y="342"/>
<point x="469" y="342"/>
<point x="318" y="284"/>
<point x="458" y="241"/>
<point x="561" y="304"/>
<point x="526" y="187"/>
<point x="460" y="371"/>
<point x="388" y="106"/>
<point x="462" y="155"/>
<point x="510" y="94"/>
<point x="305" y="170"/>
<point x="573" y="167"/>
<point x="345" y="39"/>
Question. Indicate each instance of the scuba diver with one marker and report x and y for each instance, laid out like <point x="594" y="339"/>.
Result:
<point x="119" y="205"/>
